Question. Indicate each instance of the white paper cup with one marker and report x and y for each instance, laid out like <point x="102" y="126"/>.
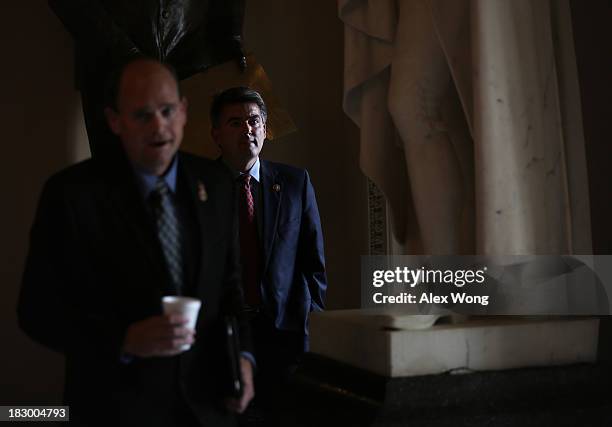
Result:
<point x="186" y="306"/>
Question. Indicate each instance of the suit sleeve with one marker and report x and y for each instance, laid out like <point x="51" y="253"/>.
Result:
<point x="311" y="257"/>
<point x="88" y="21"/>
<point x="54" y="308"/>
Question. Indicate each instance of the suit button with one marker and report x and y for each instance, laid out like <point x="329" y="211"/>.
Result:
<point x="165" y="14"/>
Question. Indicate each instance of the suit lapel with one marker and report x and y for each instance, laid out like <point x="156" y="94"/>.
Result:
<point x="130" y="210"/>
<point x="272" y="188"/>
<point x="127" y="209"/>
<point x="198" y="195"/>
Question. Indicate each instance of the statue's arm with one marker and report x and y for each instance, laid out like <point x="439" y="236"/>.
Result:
<point x="226" y="23"/>
<point x="89" y="22"/>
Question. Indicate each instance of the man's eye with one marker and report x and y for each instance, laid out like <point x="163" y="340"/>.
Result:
<point x="254" y="121"/>
<point x="235" y="123"/>
<point x="143" y="116"/>
<point x="168" y="111"/>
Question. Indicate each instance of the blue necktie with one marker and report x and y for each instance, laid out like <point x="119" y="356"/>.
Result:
<point x="168" y="231"/>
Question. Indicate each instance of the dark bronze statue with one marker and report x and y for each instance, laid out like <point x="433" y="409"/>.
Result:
<point x="191" y="35"/>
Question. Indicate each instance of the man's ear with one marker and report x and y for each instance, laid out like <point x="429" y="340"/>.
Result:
<point x="214" y="134"/>
<point x="183" y="107"/>
<point x="112" y="118"/>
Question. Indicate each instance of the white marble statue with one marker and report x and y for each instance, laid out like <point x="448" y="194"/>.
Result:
<point x="470" y="122"/>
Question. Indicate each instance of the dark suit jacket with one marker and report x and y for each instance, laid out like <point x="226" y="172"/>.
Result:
<point x="95" y="266"/>
<point x="293" y="276"/>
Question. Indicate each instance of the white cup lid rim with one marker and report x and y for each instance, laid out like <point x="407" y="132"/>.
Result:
<point x="176" y="298"/>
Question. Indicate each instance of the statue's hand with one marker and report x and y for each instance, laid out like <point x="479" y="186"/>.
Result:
<point x="238" y="53"/>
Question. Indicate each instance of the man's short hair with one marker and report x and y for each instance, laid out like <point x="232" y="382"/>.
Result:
<point x="113" y="82"/>
<point x="236" y="95"/>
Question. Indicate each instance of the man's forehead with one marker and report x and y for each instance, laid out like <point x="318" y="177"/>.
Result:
<point x="151" y="96"/>
<point x="242" y="109"/>
<point x="147" y="82"/>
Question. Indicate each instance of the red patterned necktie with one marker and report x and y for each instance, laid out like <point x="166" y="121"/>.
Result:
<point x="249" y="247"/>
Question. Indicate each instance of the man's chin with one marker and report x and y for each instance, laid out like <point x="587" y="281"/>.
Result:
<point x="157" y="165"/>
<point x="248" y="150"/>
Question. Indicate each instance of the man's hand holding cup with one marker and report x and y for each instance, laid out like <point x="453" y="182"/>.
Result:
<point x="166" y="335"/>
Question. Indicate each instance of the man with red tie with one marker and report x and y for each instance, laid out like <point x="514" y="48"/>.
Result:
<point x="280" y="236"/>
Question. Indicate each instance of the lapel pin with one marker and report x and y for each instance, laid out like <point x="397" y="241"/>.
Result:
<point x="276" y="187"/>
<point x="202" y="194"/>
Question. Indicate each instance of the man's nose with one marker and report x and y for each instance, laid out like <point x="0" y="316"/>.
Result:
<point x="157" y="122"/>
<point x="247" y="128"/>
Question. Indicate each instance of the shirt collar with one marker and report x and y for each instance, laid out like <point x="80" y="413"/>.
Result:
<point x="147" y="181"/>
<point x="254" y="171"/>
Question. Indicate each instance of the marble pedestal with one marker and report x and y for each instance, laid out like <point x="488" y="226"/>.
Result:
<point x="399" y="346"/>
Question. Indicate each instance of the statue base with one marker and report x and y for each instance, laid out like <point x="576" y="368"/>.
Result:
<point x="395" y="345"/>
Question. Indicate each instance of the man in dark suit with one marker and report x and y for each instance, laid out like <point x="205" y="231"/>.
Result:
<point x="280" y="236"/>
<point x="112" y="235"/>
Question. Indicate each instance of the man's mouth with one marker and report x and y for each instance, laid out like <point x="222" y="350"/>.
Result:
<point x="159" y="144"/>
